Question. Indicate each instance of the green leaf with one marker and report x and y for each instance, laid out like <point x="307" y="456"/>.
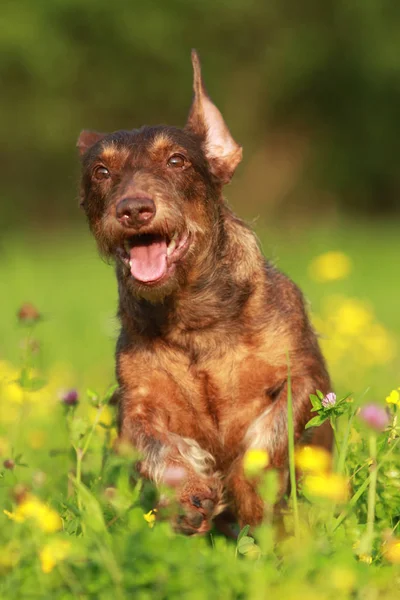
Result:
<point x="315" y="421"/>
<point x="58" y="451"/>
<point x="93" y="397"/>
<point x="320" y="395"/>
<point x="135" y="494"/>
<point x="23" y="381"/>
<point x="245" y="544"/>
<point x="31" y="384"/>
<point x="72" y="526"/>
<point x="110" y="393"/>
<point x="19" y="462"/>
<point x="243" y="532"/>
<point x="254" y="551"/>
<point x="316" y="403"/>
<point x="70" y="506"/>
<point x="37" y="383"/>
<point x="78" y="428"/>
<point x="92" y="514"/>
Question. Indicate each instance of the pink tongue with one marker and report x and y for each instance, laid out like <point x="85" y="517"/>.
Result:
<point x="148" y="261"/>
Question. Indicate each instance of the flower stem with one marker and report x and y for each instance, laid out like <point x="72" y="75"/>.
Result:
<point x="340" y="462"/>
<point x="80" y="453"/>
<point x="333" y="423"/>
<point x="371" y="494"/>
<point x="345" y="513"/>
<point x="79" y="457"/>
<point x="292" y="469"/>
<point x="341" y="459"/>
<point x="90" y="434"/>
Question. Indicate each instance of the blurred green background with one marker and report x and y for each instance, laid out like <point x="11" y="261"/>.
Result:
<point x="312" y="91"/>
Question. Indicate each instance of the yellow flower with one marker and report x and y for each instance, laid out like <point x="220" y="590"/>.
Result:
<point x="366" y="558"/>
<point x="255" y="460"/>
<point x="14" y="516"/>
<point x="392" y="552"/>
<point x="352" y="317"/>
<point x="313" y="458"/>
<point x="378" y="344"/>
<point x="393" y="398"/>
<point x="150" y="517"/>
<point x="353" y="339"/>
<point x="47" y="519"/>
<point x="52" y="553"/>
<point x="11" y="391"/>
<point x="330" y="486"/>
<point x="330" y="267"/>
<point x="12" y="395"/>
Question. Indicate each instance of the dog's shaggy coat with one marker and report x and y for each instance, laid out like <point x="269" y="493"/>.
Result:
<point x="206" y="323"/>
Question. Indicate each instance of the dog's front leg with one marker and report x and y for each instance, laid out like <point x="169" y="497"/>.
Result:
<point x="166" y="455"/>
<point x="269" y="432"/>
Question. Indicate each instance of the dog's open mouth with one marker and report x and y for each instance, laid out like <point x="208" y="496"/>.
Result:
<point x="151" y="257"/>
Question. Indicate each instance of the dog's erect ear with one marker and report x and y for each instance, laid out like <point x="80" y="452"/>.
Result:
<point x="87" y="139"/>
<point x="221" y="150"/>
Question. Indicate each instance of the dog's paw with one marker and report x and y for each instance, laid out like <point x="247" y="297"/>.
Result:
<point x="200" y="501"/>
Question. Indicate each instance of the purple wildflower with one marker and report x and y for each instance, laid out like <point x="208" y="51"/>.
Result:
<point x="375" y="416"/>
<point x="329" y="400"/>
<point x="9" y="464"/>
<point x="69" y="397"/>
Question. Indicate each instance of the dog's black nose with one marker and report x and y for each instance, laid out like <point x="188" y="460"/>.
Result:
<point x="134" y="212"/>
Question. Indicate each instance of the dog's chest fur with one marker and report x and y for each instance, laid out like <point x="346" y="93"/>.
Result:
<point x="210" y="384"/>
<point x="213" y="401"/>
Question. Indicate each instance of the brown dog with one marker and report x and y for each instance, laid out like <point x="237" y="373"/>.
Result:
<point x="206" y="322"/>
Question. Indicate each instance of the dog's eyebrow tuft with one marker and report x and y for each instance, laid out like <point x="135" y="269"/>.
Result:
<point x="112" y="152"/>
<point x="161" y="141"/>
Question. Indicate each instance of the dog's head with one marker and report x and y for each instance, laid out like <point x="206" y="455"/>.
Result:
<point x="152" y="195"/>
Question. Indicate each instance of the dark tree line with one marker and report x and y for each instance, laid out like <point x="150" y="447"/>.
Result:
<point x="331" y="68"/>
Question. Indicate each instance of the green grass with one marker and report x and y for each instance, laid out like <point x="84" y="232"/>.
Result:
<point x="76" y="293"/>
<point x="110" y="550"/>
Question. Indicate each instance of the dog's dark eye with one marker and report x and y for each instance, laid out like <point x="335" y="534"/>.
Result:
<point x="101" y="173"/>
<point x="177" y="161"/>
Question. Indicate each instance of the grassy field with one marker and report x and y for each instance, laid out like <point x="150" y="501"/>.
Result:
<point x="75" y="526"/>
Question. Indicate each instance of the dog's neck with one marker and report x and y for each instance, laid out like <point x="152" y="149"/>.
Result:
<point x="213" y="298"/>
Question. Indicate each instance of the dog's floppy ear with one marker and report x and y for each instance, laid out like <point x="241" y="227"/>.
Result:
<point x="222" y="152"/>
<point x="87" y="139"/>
